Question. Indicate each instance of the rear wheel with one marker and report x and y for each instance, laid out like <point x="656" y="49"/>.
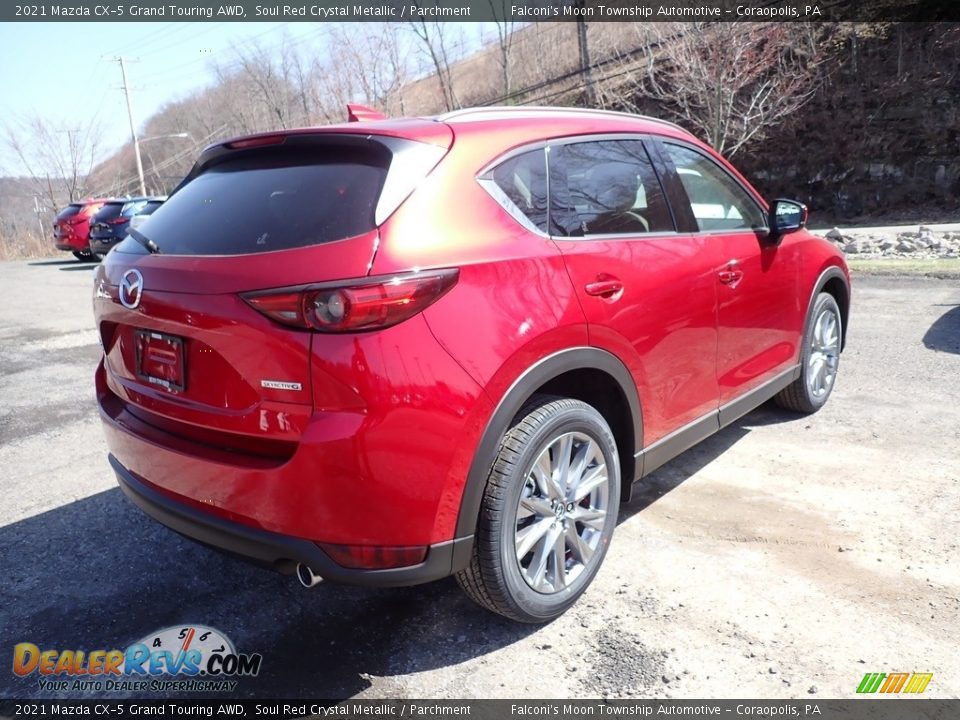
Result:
<point x="548" y="512"/>
<point x="820" y="359"/>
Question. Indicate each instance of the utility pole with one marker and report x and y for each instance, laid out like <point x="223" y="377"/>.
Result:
<point x="584" y="56"/>
<point x="133" y="127"/>
<point x="38" y="210"/>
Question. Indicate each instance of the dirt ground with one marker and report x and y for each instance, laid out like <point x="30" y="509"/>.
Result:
<point x="784" y="557"/>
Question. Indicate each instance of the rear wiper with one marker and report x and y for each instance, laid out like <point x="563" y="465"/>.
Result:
<point x="149" y="244"/>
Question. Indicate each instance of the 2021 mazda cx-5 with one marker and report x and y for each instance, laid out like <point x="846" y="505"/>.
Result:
<point x="112" y="221"/>
<point x="71" y="229"/>
<point x="391" y="351"/>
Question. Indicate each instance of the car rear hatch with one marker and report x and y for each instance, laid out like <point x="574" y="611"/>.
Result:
<point x="185" y="353"/>
<point x="66" y="218"/>
<point x="104" y="224"/>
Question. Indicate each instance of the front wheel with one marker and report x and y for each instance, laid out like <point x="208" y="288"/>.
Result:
<point x="85" y="256"/>
<point x="548" y="512"/>
<point x="820" y="359"/>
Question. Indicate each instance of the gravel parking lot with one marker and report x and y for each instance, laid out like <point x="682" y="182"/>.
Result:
<point x="784" y="557"/>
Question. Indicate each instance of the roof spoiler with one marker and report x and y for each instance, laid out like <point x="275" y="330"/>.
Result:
<point x="362" y="113"/>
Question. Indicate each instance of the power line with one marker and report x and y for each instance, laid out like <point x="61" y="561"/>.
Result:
<point x="164" y="164"/>
<point x="160" y="34"/>
<point x="167" y="71"/>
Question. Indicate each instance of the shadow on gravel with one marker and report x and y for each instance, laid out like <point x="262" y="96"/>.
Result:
<point x="79" y="266"/>
<point x="944" y="334"/>
<point x="44" y="263"/>
<point x="670" y="476"/>
<point x="98" y="574"/>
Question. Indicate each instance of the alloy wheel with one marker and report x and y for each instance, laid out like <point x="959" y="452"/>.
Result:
<point x="824" y="354"/>
<point x="561" y="512"/>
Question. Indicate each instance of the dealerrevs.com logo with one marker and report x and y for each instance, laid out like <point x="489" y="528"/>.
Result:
<point x="182" y="658"/>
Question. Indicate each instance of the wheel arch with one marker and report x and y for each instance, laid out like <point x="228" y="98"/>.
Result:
<point x="592" y="375"/>
<point x="833" y="280"/>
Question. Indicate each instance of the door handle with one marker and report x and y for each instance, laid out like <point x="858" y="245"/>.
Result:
<point x="603" y="288"/>
<point x="731" y="274"/>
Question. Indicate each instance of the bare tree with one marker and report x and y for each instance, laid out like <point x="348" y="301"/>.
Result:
<point x="435" y="40"/>
<point x="268" y="81"/>
<point x="505" y="37"/>
<point x="732" y="82"/>
<point x="57" y="156"/>
<point x="371" y="61"/>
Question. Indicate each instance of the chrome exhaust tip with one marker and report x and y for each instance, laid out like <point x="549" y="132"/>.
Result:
<point x="307" y="577"/>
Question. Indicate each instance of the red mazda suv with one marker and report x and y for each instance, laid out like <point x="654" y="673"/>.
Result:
<point x="389" y="351"/>
<point x="71" y="229"/>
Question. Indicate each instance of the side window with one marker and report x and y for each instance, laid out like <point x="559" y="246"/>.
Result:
<point x="605" y="187"/>
<point x="717" y="200"/>
<point x="520" y="186"/>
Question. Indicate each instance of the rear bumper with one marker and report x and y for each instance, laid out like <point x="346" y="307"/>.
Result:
<point x="380" y="464"/>
<point x="102" y="245"/>
<point x="281" y="551"/>
<point x="71" y="245"/>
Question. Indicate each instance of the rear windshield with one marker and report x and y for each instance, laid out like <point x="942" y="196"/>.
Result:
<point x="69" y="211"/>
<point x="272" y="199"/>
<point x="108" y="212"/>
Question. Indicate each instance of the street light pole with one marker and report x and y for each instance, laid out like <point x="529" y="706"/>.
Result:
<point x="133" y="127"/>
<point x="161" y="137"/>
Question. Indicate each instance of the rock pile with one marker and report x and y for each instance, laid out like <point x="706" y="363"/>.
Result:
<point x="924" y="243"/>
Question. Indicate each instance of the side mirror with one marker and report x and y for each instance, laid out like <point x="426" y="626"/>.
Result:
<point x="786" y="216"/>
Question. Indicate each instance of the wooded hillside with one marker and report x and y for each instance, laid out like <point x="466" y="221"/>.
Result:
<point x="857" y="120"/>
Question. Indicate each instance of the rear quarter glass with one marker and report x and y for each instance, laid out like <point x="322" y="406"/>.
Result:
<point x="272" y="199"/>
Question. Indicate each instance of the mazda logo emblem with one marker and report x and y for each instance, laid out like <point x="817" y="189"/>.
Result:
<point x="131" y="288"/>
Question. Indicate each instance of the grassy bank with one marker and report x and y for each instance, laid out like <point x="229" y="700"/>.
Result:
<point x="915" y="267"/>
<point x="26" y="247"/>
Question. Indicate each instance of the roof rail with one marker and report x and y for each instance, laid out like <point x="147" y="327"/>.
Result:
<point x="467" y="112"/>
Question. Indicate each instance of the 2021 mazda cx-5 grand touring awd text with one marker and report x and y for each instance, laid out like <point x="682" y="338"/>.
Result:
<point x="391" y="351"/>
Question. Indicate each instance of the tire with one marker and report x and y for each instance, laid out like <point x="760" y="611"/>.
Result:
<point x="820" y="360"/>
<point x="535" y="587"/>
<point x="85" y="256"/>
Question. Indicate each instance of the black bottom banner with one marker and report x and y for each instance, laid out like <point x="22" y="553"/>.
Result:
<point x="851" y="709"/>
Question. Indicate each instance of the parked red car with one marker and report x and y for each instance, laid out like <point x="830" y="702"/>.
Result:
<point x="390" y="352"/>
<point x="71" y="228"/>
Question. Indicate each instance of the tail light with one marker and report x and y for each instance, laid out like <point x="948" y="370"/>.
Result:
<point x="348" y="306"/>
<point x="119" y="220"/>
<point x="367" y="557"/>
